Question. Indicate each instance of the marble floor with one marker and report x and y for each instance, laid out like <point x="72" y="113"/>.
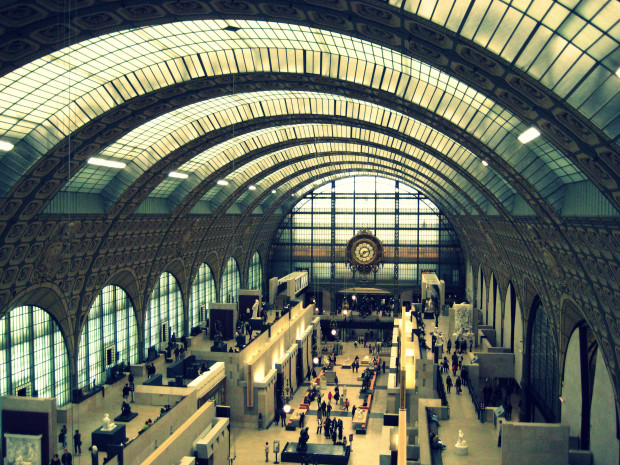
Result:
<point x="249" y="444"/>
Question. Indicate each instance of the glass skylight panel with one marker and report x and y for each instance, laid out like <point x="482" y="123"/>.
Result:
<point x="109" y="57"/>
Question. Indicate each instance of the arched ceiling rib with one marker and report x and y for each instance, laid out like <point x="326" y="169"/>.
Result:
<point x="447" y="191"/>
<point x="180" y="127"/>
<point x="464" y="107"/>
<point x="144" y="60"/>
<point x="290" y="186"/>
<point x="289" y="143"/>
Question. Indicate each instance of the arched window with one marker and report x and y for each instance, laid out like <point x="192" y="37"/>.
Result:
<point x="255" y="273"/>
<point x="164" y="315"/>
<point x="33" y="355"/>
<point x="109" y="336"/>
<point x="230" y="282"/>
<point x="543" y="368"/>
<point x="203" y="292"/>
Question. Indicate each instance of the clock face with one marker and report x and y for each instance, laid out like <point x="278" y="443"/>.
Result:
<point x="364" y="251"/>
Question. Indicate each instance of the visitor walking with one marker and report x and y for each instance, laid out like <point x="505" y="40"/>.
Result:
<point x="329" y="397"/>
<point x="77" y="443"/>
<point x="449" y="345"/>
<point x="62" y="437"/>
<point x="457" y="385"/>
<point x="267" y="452"/>
<point x="353" y="411"/>
<point x="448" y="383"/>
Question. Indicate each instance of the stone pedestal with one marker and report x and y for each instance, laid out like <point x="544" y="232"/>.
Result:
<point x="461" y="449"/>
<point x="102" y="439"/>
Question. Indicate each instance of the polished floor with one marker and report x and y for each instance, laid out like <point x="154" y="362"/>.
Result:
<point x="249" y="444"/>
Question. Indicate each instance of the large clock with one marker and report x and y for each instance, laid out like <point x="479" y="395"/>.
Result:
<point x="364" y="253"/>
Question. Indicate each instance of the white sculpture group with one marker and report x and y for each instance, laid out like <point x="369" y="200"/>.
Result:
<point x="22" y="449"/>
<point x="107" y="423"/>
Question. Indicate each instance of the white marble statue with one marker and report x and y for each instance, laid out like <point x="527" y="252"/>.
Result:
<point x="461" y="442"/>
<point x="107" y="423"/>
<point x="22" y="449"/>
<point x="462" y="319"/>
<point x="255" y="309"/>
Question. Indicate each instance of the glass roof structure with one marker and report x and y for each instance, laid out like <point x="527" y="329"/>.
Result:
<point x="428" y="124"/>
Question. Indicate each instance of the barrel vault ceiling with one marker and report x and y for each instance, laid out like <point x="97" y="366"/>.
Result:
<point x="274" y="97"/>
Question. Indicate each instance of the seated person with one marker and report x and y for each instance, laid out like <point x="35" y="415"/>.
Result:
<point x="436" y="442"/>
<point x="431" y="416"/>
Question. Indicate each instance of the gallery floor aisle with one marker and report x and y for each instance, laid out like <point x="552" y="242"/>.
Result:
<point x="481" y="437"/>
<point x="250" y="443"/>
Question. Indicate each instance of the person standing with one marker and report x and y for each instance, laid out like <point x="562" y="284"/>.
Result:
<point x="55" y="460"/>
<point x="448" y="383"/>
<point x="267" y="452"/>
<point x="449" y="345"/>
<point x="62" y="437"/>
<point x="457" y="385"/>
<point x="283" y="418"/>
<point x="319" y="426"/>
<point x="460" y="362"/>
<point x="353" y="411"/>
<point x="346" y="404"/>
<point x="67" y="458"/>
<point x="77" y="443"/>
<point x="329" y="409"/>
<point x="329" y="397"/>
<point x="126" y="390"/>
<point x="383" y="366"/>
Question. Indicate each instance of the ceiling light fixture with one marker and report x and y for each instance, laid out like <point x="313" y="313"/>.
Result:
<point x="485" y="163"/>
<point x="252" y="188"/>
<point x="618" y="72"/>
<point x="529" y="135"/>
<point x="174" y="174"/>
<point x="106" y="163"/>
<point x="5" y="146"/>
<point x="273" y="191"/>
<point x="222" y="182"/>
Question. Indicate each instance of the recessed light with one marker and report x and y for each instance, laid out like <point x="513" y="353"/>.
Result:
<point x="529" y="135"/>
<point x="252" y="188"/>
<point x="106" y="163"/>
<point x="273" y="191"/>
<point x="485" y="163"/>
<point x="222" y="182"/>
<point x="174" y="174"/>
<point x="5" y="146"/>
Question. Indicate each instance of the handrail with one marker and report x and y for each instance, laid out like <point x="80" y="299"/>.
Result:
<point x="474" y="399"/>
<point x="441" y="390"/>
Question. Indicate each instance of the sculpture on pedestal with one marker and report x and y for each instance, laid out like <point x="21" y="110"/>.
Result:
<point x="125" y="409"/>
<point x="366" y="378"/>
<point x="461" y="442"/>
<point x="255" y="309"/>
<point x="107" y="423"/>
<point x="302" y="444"/>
